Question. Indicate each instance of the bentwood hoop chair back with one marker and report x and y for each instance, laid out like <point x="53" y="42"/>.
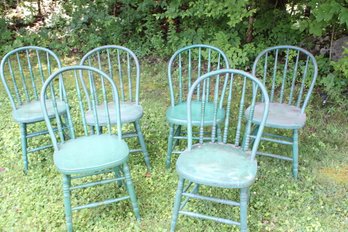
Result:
<point x="184" y="68"/>
<point x="122" y="65"/>
<point x="225" y="162"/>
<point x="79" y="153"/>
<point x="289" y="73"/>
<point x="23" y="72"/>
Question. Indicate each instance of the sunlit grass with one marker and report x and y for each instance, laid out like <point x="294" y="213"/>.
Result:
<point x="316" y="202"/>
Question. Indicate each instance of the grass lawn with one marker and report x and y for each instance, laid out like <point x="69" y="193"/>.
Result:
<point x="318" y="201"/>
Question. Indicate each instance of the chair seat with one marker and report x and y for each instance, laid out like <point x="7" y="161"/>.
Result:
<point x="281" y="116"/>
<point x="217" y="164"/>
<point x="178" y="114"/>
<point x="31" y="112"/>
<point x="90" y="153"/>
<point x="130" y="112"/>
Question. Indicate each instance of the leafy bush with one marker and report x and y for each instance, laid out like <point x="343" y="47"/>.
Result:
<point x="158" y="28"/>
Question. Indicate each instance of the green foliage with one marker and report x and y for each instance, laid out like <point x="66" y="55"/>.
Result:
<point x="5" y="33"/>
<point x="155" y="29"/>
<point x="334" y="78"/>
<point x="325" y="15"/>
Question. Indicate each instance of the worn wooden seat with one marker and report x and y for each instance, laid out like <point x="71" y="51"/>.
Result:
<point x="178" y="114"/>
<point x="282" y="116"/>
<point x="219" y="165"/>
<point x="31" y="112"/>
<point x="130" y="112"/>
<point x="90" y="154"/>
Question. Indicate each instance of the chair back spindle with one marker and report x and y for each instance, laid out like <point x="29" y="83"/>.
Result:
<point x="121" y="64"/>
<point x="187" y="65"/>
<point x="232" y="91"/>
<point x="23" y="72"/>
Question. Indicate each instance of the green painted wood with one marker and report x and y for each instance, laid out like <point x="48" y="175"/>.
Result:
<point x="184" y="68"/>
<point x="295" y="154"/>
<point x="217" y="165"/>
<point x="90" y="154"/>
<point x="212" y="199"/>
<point x="131" y="191"/>
<point x="31" y="112"/>
<point x="244" y="199"/>
<point x="86" y="154"/>
<point x="221" y="164"/>
<point x="202" y="216"/>
<point x="23" y="72"/>
<point x="142" y="143"/>
<point x="170" y="145"/>
<point x="178" y="114"/>
<point x="100" y="203"/>
<point x="123" y="67"/>
<point x="294" y="71"/>
<point x="91" y="184"/>
<point x="177" y="201"/>
<point x="67" y="202"/>
<point x="23" y="130"/>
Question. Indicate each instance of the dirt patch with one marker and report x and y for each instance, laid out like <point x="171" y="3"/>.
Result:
<point x="339" y="175"/>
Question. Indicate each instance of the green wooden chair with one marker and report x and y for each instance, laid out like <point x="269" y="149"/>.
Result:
<point x="289" y="74"/>
<point x="23" y="72"/>
<point x="184" y="67"/>
<point x="219" y="164"/>
<point x="81" y="154"/>
<point x="122" y="65"/>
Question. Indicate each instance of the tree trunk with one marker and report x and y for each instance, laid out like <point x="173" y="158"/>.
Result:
<point x="249" y="34"/>
<point x="39" y="12"/>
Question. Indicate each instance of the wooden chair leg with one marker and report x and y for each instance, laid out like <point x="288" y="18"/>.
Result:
<point x="244" y="198"/>
<point x="67" y="201"/>
<point x="177" y="203"/>
<point x="142" y="144"/>
<point x="177" y="133"/>
<point x="295" y="154"/>
<point x="170" y="146"/>
<point x="117" y="174"/>
<point x="196" y="189"/>
<point x="131" y="191"/>
<point x="23" y="128"/>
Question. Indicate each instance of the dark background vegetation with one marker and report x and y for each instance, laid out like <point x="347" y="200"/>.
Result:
<point x="155" y="29"/>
